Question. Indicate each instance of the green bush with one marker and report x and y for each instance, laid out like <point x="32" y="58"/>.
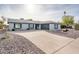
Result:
<point x="1" y="24"/>
<point x="63" y="26"/>
<point x="77" y="26"/>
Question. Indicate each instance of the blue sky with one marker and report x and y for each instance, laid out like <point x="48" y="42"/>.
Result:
<point x="39" y="12"/>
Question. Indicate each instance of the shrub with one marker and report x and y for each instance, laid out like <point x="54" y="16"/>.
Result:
<point x="77" y="26"/>
<point x="1" y="24"/>
<point x="63" y="26"/>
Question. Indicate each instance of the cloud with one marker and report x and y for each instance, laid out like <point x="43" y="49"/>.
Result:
<point x="52" y="12"/>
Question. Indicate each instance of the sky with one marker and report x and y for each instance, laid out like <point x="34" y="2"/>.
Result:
<point x="39" y="12"/>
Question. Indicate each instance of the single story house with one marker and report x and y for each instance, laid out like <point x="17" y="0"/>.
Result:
<point x="15" y="24"/>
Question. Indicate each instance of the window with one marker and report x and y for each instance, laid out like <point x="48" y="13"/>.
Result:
<point x="17" y="25"/>
<point x="56" y="26"/>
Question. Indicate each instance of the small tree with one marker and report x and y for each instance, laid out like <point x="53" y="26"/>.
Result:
<point x="68" y="20"/>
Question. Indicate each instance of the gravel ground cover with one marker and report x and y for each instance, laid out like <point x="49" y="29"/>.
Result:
<point x="16" y="44"/>
<point x="71" y="33"/>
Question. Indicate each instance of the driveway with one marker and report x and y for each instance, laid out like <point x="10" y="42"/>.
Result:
<point x="72" y="48"/>
<point x="49" y="43"/>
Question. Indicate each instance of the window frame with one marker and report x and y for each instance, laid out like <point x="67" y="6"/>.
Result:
<point x="17" y="24"/>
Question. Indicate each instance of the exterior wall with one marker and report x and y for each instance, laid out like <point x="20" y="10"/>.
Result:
<point x="25" y="26"/>
<point x="11" y="26"/>
<point x="40" y="26"/>
<point x="32" y="26"/>
<point x="59" y="27"/>
<point x="52" y="27"/>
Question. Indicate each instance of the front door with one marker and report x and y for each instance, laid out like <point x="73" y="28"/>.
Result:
<point x="37" y="26"/>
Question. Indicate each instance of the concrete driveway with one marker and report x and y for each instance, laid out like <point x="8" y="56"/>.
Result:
<point x="72" y="48"/>
<point x="49" y="43"/>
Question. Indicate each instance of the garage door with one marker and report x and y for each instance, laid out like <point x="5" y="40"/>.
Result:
<point x="45" y="26"/>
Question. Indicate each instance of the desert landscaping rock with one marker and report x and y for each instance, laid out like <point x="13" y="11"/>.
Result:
<point x="16" y="44"/>
<point x="71" y="33"/>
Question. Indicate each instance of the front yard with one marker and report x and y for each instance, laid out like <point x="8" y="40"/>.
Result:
<point x="16" y="44"/>
<point x="40" y="42"/>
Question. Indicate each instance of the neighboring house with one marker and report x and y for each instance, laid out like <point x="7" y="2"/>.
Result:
<point x="15" y="24"/>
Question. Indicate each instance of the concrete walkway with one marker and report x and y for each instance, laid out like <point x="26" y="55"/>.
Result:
<point x="49" y="43"/>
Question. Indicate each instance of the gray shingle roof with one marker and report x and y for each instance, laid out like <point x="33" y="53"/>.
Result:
<point x="27" y="21"/>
